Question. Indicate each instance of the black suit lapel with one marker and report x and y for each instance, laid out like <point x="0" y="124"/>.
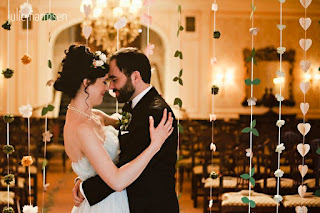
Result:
<point x="141" y="107"/>
<point x="143" y="104"/>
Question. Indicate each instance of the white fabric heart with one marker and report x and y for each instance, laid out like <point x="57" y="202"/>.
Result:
<point x="303" y="170"/>
<point x="305" y="3"/>
<point x="121" y="23"/>
<point x="305" y="23"/>
<point x="304" y="128"/>
<point x="302" y="190"/>
<point x="305" y="44"/>
<point x="304" y="108"/>
<point x="87" y="9"/>
<point x="87" y="30"/>
<point x="305" y="65"/>
<point x="304" y="86"/>
<point x="303" y="149"/>
<point x="301" y="209"/>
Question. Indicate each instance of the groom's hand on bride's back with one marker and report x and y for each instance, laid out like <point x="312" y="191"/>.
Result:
<point x="77" y="195"/>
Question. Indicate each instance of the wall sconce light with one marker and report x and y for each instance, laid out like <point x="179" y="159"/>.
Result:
<point x="307" y="77"/>
<point x="223" y="78"/>
<point x="278" y="80"/>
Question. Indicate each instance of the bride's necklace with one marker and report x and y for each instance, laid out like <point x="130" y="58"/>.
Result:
<point x="92" y="116"/>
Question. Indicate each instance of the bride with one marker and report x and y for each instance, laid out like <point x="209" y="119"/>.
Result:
<point x="90" y="138"/>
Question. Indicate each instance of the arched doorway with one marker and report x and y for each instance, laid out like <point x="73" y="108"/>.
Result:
<point x="72" y="34"/>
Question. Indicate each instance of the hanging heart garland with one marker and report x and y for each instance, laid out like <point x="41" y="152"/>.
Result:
<point x="305" y="3"/>
<point x="303" y="170"/>
<point x="303" y="149"/>
<point x="304" y="86"/>
<point x="304" y="128"/>
<point x="87" y="30"/>
<point x="305" y="44"/>
<point x="305" y="65"/>
<point x="305" y="23"/>
<point x="302" y="189"/>
<point x="304" y="108"/>
<point x="301" y="209"/>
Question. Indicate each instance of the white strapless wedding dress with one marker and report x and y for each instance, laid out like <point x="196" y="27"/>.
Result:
<point x="116" y="202"/>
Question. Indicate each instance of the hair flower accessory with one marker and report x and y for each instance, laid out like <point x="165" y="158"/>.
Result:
<point x="30" y="209"/>
<point x="27" y="161"/>
<point x="101" y="61"/>
<point x="26" y="111"/>
<point x="26" y="10"/>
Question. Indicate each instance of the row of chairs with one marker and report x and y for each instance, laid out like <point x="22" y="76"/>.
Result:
<point x="19" y="191"/>
<point x="230" y="160"/>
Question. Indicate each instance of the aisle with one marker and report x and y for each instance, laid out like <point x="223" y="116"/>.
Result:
<point x="59" y="196"/>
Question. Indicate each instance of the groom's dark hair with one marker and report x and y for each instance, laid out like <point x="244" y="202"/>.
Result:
<point x="131" y="59"/>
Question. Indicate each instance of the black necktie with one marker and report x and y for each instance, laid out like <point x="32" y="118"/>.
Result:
<point x="127" y="107"/>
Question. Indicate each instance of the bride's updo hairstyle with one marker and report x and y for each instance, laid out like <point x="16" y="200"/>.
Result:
<point x="77" y="65"/>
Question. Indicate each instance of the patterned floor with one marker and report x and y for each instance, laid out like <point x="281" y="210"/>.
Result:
<point x="59" y="197"/>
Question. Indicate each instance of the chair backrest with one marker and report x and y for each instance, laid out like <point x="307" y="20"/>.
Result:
<point x="315" y="145"/>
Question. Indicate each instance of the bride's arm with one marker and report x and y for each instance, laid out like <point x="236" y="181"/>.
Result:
<point x="119" y="178"/>
<point x="107" y="119"/>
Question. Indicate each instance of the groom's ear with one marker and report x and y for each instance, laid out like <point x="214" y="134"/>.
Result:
<point x="135" y="76"/>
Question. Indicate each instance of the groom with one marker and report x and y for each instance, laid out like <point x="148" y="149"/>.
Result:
<point x="154" y="190"/>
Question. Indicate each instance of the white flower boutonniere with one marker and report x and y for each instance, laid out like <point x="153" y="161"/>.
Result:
<point x="125" y="120"/>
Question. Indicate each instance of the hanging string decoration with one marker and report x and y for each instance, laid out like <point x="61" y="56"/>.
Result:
<point x="214" y="91"/>
<point x="86" y="28"/>
<point x="26" y="110"/>
<point x="121" y="23"/>
<point x="304" y="128"/>
<point x="213" y="117"/>
<point x="8" y="117"/>
<point x="251" y="102"/>
<point x="146" y="19"/>
<point x="48" y="108"/>
<point x="177" y="101"/>
<point x="280" y="74"/>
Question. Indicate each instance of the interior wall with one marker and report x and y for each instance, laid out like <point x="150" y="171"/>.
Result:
<point x="233" y="23"/>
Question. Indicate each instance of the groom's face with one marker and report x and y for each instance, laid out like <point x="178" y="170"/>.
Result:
<point x="120" y="83"/>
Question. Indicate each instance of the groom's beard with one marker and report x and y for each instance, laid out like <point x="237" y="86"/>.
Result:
<point x="125" y="92"/>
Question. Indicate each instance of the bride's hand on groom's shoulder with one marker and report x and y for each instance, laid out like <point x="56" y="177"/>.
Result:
<point x="159" y="134"/>
<point x="77" y="196"/>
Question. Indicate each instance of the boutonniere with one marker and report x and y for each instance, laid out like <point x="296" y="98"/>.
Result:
<point x="125" y="120"/>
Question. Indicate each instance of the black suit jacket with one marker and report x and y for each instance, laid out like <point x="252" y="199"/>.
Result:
<point x="154" y="190"/>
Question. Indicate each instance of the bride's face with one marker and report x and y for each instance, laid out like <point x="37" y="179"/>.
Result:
<point x="97" y="90"/>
